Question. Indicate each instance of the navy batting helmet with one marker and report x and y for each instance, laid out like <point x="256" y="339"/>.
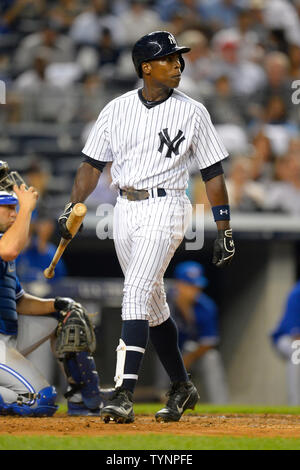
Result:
<point x="153" y="46"/>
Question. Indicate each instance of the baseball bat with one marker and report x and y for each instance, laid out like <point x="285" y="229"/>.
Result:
<point x="73" y="223"/>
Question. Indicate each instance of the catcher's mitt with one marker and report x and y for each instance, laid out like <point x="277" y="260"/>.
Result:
<point x="75" y="331"/>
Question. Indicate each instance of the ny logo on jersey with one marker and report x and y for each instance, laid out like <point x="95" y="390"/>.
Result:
<point x="172" y="147"/>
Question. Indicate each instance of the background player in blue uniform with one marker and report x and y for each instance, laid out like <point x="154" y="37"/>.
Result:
<point x="286" y="332"/>
<point x="196" y="315"/>
<point x="27" y="321"/>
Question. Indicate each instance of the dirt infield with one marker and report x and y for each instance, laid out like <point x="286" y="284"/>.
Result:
<point x="252" y="425"/>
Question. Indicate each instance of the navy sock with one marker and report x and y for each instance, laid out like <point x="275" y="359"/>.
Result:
<point x="164" y="338"/>
<point x="135" y="334"/>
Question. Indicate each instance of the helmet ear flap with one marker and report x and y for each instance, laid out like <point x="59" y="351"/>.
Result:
<point x="181" y="63"/>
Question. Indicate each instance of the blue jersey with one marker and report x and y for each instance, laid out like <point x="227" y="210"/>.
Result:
<point x="10" y="291"/>
<point x="204" y="325"/>
<point x="31" y="263"/>
<point x="289" y="323"/>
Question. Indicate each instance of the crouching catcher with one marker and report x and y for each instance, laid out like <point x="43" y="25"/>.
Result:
<point x="26" y="322"/>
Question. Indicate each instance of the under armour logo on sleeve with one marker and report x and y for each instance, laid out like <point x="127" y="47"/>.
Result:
<point x="225" y="211"/>
<point x="165" y="140"/>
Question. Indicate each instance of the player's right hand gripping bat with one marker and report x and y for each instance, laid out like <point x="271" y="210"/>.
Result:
<point x="73" y="223"/>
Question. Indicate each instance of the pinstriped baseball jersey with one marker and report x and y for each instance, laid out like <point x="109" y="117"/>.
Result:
<point x="153" y="146"/>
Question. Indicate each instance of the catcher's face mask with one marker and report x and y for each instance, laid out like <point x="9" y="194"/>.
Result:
<point x="9" y="178"/>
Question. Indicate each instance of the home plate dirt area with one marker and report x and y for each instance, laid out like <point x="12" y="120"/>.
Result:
<point x="252" y="425"/>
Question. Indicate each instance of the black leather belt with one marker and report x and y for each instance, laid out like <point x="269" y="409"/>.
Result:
<point x="141" y="194"/>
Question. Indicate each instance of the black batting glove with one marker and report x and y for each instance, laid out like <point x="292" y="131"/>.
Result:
<point x="63" y="304"/>
<point x="223" y="248"/>
<point x="62" y="221"/>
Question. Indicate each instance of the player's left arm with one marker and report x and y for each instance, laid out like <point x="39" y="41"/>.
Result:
<point x="30" y="305"/>
<point x="224" y="248"/>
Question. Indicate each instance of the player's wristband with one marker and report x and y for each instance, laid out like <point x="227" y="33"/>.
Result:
<point x="221" y="212"/>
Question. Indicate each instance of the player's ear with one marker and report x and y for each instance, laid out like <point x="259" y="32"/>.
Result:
<point x="146" y="68"/>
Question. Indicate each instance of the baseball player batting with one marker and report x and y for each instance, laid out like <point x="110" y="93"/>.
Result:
<point x="151" y="135"/>
<point x="27" y="321"/>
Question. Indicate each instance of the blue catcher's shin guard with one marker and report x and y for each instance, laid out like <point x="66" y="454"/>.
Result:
<point x="83" y="377"/>
<point x="40" y="404"/>
<point x="46" y="402"/>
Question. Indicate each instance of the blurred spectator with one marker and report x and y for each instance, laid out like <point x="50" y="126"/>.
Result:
<point x="275" y="111"/>
<point x="198" y="66"/>
<point x="282" y="15"/>
<point x="277" y="83"/>
<point x="196" y="316"/>
<point x="198" y="62"/>
<point x="284" y="195"/>
<point x="5" y="67"/>
<point x="262" y="158"/>
<point x="63" y="14"/>
<point x="139" y="20"/>
<point x="92" y="97"/>
<point x="21" y="15"/>
<point x="177" y="24"/>
<point x="42" y="89"/>
<point x="86" y="28"/>
<point x="279" y="125"/>
<point x="294" y="145"/>
<point x="187" y="9"/>
<point x="38" y="255"/>
<point x="256" y="11"/>
<point x="220" y="13"/>
<point x="38" y="175"/>
<point x="246" y="76"/>
<point x="59" y="45"/>
<point x="105" y="55"/>
<point x="108" y="51"/>
<point x="224" y="105"/>
<point x="249" y="47"/>
<point x="294" y="58"/>
<point x="244" y="194"/>
<point x="282" y="337"/>
<point x="32" y="78"/>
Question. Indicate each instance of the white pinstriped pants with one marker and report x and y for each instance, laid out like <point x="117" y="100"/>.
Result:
<point x="146" y="235"/>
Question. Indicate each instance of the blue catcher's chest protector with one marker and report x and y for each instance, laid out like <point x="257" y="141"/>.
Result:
<point x="9" y="288"/>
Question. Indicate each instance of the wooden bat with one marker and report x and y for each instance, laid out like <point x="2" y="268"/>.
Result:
<point x="73" y="223"/>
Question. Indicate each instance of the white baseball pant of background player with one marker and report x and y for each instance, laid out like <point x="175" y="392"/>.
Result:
<point x="18" y="374"/>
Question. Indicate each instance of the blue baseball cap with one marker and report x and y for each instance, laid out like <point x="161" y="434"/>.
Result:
<point x="191" y="272"/>
<point x="7" y="198"/>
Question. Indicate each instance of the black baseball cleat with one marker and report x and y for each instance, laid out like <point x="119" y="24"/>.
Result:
<point x="182" y="396"/>
<point x="119" y="408"/>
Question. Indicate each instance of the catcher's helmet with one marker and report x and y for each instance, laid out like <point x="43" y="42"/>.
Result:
<point x="8" y="178"/>
<point x="153" y="46"/>
<point x="8" y="199"/>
